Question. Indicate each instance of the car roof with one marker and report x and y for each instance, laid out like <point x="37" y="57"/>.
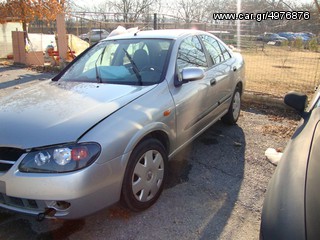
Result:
<point x="161" y="34"/>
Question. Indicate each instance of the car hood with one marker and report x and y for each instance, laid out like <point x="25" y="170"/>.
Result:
<point x="59" y="112"/>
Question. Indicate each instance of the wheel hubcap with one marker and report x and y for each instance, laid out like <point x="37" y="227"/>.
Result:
<point x="148" y="176"/>
<point x="236" y="105"/>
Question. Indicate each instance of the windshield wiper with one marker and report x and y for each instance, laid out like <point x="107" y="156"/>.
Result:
<point x="97" y="74"/>
<point x="134" y="67"/>
<point x="99" y="80"/>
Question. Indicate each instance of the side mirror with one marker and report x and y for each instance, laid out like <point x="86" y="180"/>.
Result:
<point x="192" y="74"/>
<point x="297" y="101"/>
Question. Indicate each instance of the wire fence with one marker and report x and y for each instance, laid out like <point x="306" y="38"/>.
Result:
<point x="270" y="70"/>
<point x="276" y="70"/>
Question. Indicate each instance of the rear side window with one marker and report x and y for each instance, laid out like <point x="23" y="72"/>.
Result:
<point x="191" y="54"/>
<point x="217" y="52"/>
<point x="225" y="52"/>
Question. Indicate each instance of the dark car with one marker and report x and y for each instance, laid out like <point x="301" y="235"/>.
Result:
<point x="305" y="37"/>
<point x="288" y="35"/>
<point x="271" y="37"/>
<point x="291" y="207"/>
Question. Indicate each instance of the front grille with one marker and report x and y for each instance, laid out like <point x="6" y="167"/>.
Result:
<point x="18" y="202"/>
<point x="8" y="157"/>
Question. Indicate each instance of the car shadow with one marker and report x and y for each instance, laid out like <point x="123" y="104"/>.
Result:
<point x="214" y="165"/>
<point x="20" y="227"/>
<point x="270" y="110"/>
<point x="218" y="155"/>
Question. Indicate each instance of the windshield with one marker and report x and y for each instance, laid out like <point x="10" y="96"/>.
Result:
<point x="129" y="61"/>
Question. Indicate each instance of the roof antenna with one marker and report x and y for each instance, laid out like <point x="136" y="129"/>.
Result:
<point x="135" y="34"/>
<point x="134" y="30"/>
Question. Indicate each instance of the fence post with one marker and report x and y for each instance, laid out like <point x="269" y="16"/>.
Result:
<point x="62" y="39"/>
<point x="155" y="21"/>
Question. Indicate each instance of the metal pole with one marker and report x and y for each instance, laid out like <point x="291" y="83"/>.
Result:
<point x="155" y="22"/>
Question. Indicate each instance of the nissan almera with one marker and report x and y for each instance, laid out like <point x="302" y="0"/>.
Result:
<point x="104" y="128"/>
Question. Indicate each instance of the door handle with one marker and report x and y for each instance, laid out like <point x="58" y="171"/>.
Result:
<point x="213" y="82"/>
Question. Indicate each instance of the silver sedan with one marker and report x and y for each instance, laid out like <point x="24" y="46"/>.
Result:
<point x="94" y="35"/>
<point x="104" y="128"/>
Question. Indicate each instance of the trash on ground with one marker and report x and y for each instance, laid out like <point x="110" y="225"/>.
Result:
<point x="273" y="155"/>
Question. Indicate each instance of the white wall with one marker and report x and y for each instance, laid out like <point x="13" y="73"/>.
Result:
<point x="6" y="37"/>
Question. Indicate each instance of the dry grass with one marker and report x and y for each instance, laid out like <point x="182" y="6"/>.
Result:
<point x="277" y="70"/>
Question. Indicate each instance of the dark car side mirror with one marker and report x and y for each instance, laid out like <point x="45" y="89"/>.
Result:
<point x="297" y="101"/>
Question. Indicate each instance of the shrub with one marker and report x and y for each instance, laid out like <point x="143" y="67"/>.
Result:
<point x="313" y="45"/>
<point x="298" y="43"/>
<point x="285" y="43"/>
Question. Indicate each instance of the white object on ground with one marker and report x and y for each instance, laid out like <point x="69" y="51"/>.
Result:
<point x="273" y="156"/>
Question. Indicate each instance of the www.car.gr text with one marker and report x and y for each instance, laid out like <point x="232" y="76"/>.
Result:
<point x="269" y="15"/>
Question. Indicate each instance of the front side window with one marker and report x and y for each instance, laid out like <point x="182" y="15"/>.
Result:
<point x="128" y="61"/>
<point x="191" y="54"/>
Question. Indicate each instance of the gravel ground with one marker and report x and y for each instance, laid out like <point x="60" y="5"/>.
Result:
<point x="215" y="189"/>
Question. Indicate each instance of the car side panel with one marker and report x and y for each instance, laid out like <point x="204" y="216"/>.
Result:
<point x="283" y="215"/>
<point x="312" y="189"/>
<point x="195" y="115"/>
<point x="191" y="103"/>
<point x="225" y="82"/>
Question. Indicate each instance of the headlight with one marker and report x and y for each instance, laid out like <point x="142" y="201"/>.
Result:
<point x="58" y="159"/>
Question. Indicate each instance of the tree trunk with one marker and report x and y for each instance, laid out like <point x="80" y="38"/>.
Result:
<point x="25" y="30"/>
<point x="317" y="4"/>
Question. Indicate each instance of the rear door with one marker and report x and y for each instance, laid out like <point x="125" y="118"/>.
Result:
<point x="221" y="67"/>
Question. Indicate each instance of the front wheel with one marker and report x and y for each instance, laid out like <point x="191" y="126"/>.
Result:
<point x="234" y="110"/>
<point x="145" y="175"/>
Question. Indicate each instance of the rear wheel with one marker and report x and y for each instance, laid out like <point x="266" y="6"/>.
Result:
<point x="145" y="175"/>
<point x="234" y="110"/>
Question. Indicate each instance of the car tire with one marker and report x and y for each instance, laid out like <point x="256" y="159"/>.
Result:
<point x="145" y="175"/>
<point x="233" y="113"/>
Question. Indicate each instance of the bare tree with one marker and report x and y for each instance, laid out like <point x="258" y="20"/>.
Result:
<point x="317" y="5"/>
<point x="201" y="10"/>
<point x="132" y="9"/>
<point x="186" y="10"/>
<point x="103" y="11"/>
